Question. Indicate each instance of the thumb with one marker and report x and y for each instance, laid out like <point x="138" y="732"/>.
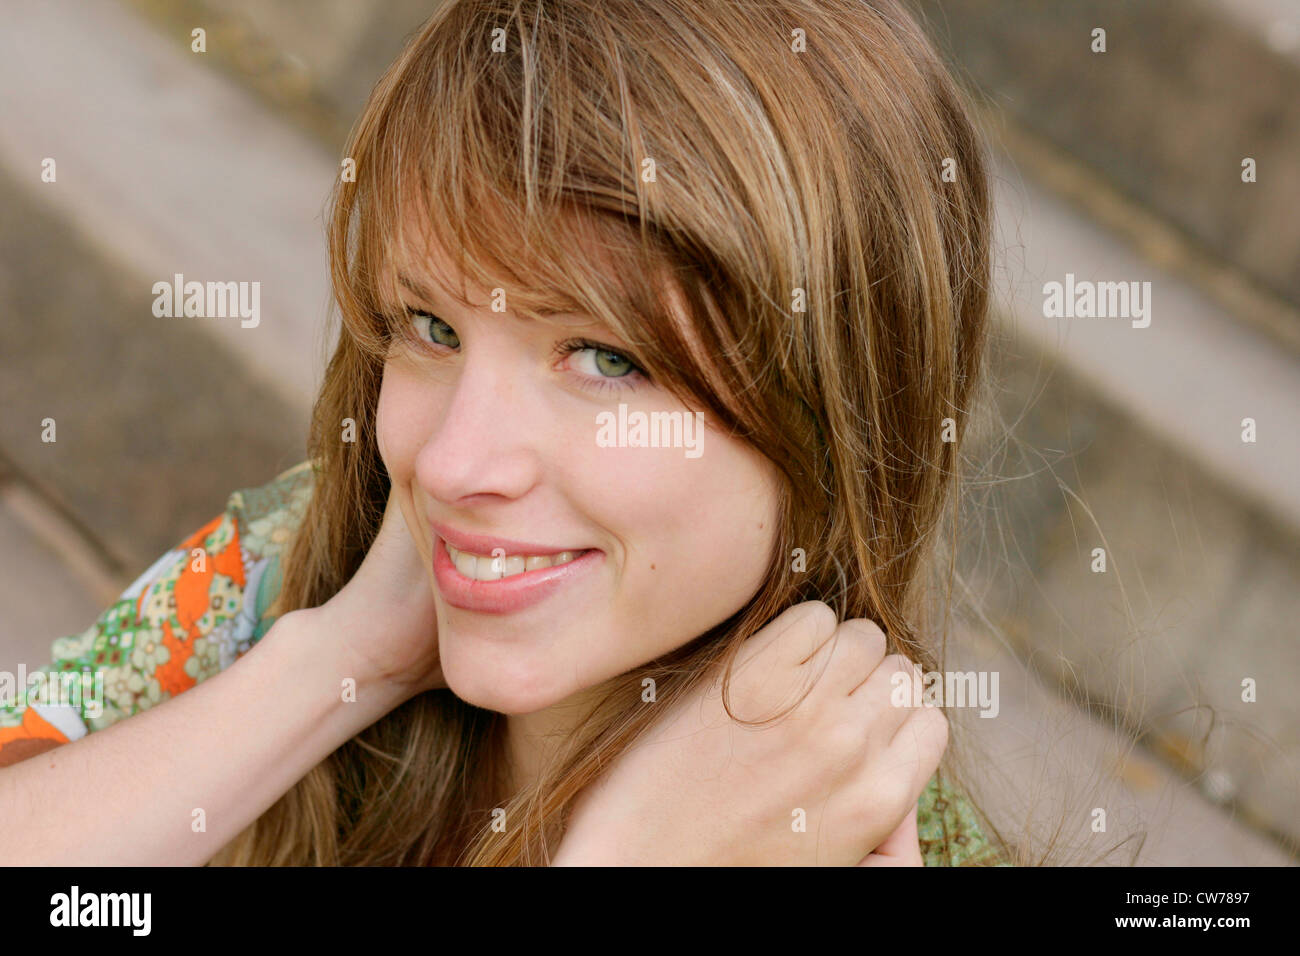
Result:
<point x="901" y="848"/>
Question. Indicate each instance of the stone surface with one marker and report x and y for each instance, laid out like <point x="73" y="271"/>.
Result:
<point x="155" y="423"/>
<point x="1198" y="594"/>
<point x="43" y="598"/>
<point x="1185" y="90"/>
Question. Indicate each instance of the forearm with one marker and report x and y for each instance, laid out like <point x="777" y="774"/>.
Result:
<point x="230" y="747"/>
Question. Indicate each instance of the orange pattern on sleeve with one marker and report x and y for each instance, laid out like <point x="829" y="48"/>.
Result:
<point x="171" y="677"/>
<point x="33" y="736"/>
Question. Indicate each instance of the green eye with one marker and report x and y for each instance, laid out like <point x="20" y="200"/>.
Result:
<point x="443" y="334"/>
<point x="438" y="331"/>
<point x="612" y="364"/>
<point x="602" y="365"/>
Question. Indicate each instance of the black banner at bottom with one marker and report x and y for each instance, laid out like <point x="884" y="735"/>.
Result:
<point x="339" y="906"/>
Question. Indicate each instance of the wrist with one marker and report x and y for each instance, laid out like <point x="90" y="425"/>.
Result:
<point x="325" y="662"/>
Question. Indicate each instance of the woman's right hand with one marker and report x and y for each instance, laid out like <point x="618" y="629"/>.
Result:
<point x="384" y="616"/>
<point x="833" y="782"/>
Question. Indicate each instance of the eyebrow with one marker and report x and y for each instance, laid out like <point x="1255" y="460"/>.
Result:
<point x="572" y="317"/>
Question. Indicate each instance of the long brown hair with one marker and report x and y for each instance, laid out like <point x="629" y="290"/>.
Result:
<point x="785" y="211"/>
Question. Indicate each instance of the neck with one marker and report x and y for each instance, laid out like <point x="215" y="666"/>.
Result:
<point x="534" y="739"/>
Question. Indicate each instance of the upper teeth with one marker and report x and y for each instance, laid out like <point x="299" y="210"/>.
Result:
<point x="500" y="565"/>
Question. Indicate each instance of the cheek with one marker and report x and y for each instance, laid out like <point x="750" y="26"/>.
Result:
<point x="402" y="421"/>
<point x="697" y="533"/>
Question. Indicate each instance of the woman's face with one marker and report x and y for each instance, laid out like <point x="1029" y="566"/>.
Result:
<point x="490" y="432"/>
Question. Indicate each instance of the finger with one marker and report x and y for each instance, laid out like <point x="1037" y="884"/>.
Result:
<point x="849" y="658"/>
<point x="901" y="848"/>
<point x="920" y="743"/>
<point x="890" y="779"/>
<point x="790" y="638"/>
<point x="895" y="678"/>
<point x="882" y="702"/>
<point x="767" y="676"/>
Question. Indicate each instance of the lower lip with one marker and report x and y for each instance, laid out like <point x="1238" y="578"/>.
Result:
<point x="507" y="595"/>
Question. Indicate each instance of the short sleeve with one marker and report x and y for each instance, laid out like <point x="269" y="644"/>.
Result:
<point x="950" y="832"/>
<point x="192" y="613"/>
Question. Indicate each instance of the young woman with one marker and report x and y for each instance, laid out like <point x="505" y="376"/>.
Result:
<point x="662" y="324"/>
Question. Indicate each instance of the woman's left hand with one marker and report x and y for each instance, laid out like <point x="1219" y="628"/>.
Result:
<point x="835" y="782"/>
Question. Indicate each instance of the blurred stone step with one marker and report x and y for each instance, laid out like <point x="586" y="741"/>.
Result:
<point x="154" y="423"/>
<point x="156" y="419"/>
<point x="1191" y="376"/>
<point x="52" y="584"/>
<point x="1047" y="765"/>
<point x="167" y="167"/>
<point x="315" y="59"/>
<point x="1184" y="92"/>
<point x="1197" y="595"/>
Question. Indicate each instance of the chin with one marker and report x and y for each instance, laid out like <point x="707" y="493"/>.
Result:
<point x="512" y="687"/>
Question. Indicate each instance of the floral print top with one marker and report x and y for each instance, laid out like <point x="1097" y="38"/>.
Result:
<point x="203" y="604"/>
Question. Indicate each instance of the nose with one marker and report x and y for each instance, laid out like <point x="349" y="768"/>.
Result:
<point x="487" y="444"/>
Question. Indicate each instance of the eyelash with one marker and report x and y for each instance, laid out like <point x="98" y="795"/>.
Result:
<point x="562" y="349"/>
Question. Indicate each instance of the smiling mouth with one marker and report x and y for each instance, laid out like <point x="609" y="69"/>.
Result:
<point x="479" y="567"/>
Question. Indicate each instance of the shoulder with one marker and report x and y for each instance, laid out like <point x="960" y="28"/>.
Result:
<point x="189" y="615"/>
<point x="949" y="829"/>
<point x="265" y="519"/>
<point x="246" y="546"/>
